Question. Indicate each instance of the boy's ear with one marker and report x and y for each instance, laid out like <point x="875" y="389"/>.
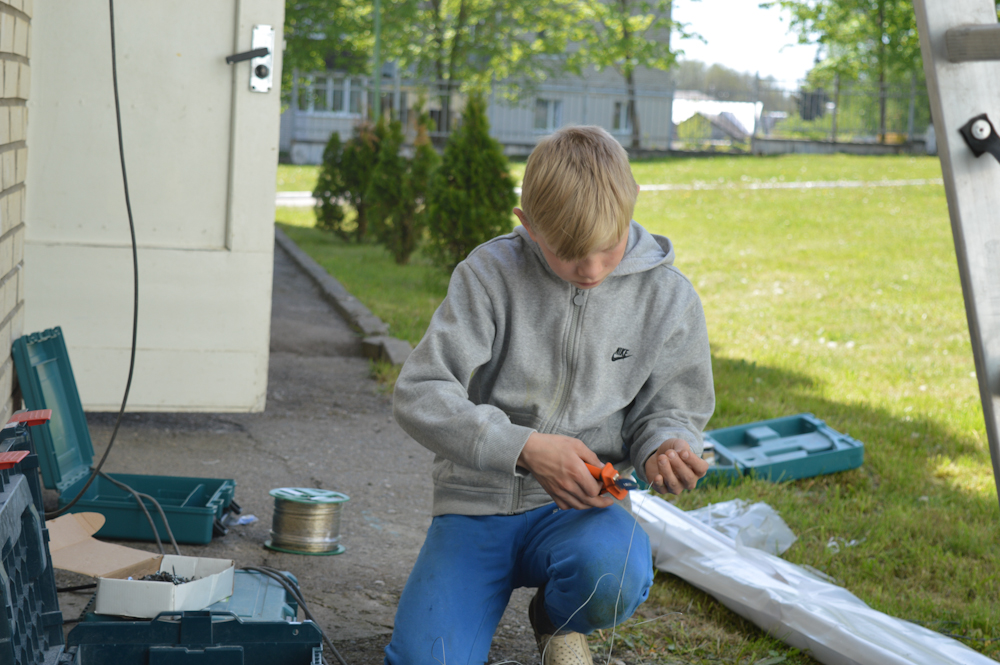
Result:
<point x="524" y="222"/>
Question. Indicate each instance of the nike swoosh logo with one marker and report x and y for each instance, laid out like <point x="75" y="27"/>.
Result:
<point x="619" y="357"/>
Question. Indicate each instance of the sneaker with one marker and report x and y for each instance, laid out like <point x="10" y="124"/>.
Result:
<point x="556" y="648"/>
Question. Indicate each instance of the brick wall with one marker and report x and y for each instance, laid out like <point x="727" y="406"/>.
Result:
<point x="15" y="83"/>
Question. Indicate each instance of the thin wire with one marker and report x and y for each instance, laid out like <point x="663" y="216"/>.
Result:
<point x="294" y="589"/>
<point x="614" y="625"/>
<point x="443" y="654"/>
<point x="139" y="496"/>
<point x="621" y="583"/>
<point x="138" y="499"/>
<point x="135" y="276"/>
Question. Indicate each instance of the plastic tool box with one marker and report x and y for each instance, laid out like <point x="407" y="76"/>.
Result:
<point x="256" y="597"/>
<point x="194" y="638"/>
<point x="193" y="506"/>
<point x="787" y="448"/>
<point x="32" y="633"/>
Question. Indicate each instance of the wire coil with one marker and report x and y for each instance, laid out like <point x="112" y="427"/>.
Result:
<point x="306" y="521"/>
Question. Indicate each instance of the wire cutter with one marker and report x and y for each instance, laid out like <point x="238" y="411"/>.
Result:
<point x="614" y="484"/>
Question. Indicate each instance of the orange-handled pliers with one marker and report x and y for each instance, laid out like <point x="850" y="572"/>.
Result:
<point x="614" y="484"/>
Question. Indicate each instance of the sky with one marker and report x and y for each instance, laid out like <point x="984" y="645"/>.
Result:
<point x="744" y="37"/>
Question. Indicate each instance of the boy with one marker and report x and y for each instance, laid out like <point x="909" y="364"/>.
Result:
<point x="570" y="340"/>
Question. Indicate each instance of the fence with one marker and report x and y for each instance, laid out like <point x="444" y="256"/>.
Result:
<point x="668" y="119"/>
<point x="848" y="112"/>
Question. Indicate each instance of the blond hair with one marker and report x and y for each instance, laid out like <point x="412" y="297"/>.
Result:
<point x="578" y="191"/>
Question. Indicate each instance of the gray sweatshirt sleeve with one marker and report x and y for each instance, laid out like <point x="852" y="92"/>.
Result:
<point x="431" y="400"/>
<point x="679" y="397"/>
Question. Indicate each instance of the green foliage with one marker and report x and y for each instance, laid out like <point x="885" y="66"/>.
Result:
<point x="623" y="35"/>
<point x="325" y="34"/>
<point x="330" y="188"/>
<point x="397" y="190"/>
<point x="868" y="39"/>
<point x="344" y="177"/>
<point x="472" y="193"/>
<point x="476" y="41"/>
<point x="360" y="156"/>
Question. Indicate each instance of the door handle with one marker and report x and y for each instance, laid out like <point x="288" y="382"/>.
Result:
<point x="247" y="55"/>
<point x="261" y="58"/>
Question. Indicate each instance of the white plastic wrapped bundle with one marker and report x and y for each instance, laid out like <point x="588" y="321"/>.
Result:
<point x="786" y="600"/>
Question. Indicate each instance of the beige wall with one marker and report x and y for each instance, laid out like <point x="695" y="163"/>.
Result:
<point x="201" y="152"/>
<point x="15" y="38"/>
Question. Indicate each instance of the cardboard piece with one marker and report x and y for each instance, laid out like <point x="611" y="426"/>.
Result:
<point x="73" y="548"/>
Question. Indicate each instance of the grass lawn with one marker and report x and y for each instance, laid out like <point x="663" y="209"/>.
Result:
<point x="841" y="302"/>
<point x="292" y="178"/>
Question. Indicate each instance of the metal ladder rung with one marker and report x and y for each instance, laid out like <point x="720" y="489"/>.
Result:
<point x="973" y="43"/>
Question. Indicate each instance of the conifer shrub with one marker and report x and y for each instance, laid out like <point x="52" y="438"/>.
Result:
<point x="344" y="177"/>
<point x="472" y="193"/>
<point x="330" y="189"/>
<point x="398" y="189"/>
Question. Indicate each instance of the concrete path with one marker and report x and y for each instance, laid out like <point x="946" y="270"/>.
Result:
<point x="326" y="425"/>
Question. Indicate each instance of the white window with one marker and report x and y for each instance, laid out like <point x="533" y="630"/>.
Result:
<point x="325" y="93"/>
<point x="548" y="114"/>
<point x="622" y="119"/>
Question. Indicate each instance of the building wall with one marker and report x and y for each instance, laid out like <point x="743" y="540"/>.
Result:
<point x="588" y="99"/>
<point x="15" y="73"/>
<point x="201" y="150"/>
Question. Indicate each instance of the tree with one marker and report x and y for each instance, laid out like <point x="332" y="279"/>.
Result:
<point x="397" y="191"/>
<point x="873" y="40"/>
<point x="325" y="34"/>
<point x="344" y="177"/>
<point x="330" y="189"/>
<point x="472" y="193"/>
<point x="360" y="156"/>
<point x="623" y="35"/>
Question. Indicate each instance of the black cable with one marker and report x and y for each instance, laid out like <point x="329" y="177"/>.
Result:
<point x="293" y="589"/>
<point x="81" y="587"/>
<point x="139" y="497"/>
<point x="135" y="273"/>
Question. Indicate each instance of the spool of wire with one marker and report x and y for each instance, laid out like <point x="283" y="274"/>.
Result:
<point x="306" y="521"/>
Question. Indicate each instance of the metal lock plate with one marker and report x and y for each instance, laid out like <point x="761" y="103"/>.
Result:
<point x="262" y="67"/>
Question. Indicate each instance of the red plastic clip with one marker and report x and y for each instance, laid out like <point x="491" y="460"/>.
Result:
<point x="32" y="418"/>
<point x="8" y="460"/>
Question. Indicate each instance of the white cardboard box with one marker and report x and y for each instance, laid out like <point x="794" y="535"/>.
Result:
<point x="73" y="548"/>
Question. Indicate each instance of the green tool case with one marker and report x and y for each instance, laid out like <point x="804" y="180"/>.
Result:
<point x="194" y="506"/>
<point x="782" y="449"/>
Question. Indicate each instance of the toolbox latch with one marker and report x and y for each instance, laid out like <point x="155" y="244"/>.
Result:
<point x="227" y="655"/>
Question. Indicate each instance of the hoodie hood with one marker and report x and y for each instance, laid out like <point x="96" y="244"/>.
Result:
<point x="644" y="250"/>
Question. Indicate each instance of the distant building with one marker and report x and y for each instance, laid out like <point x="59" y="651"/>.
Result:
<point x="327" y="102"/>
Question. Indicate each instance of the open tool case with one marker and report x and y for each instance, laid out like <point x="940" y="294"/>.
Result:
<point x="787" y="448"/>
<point x="255" y="626"/>
<point x="193" y="506"/>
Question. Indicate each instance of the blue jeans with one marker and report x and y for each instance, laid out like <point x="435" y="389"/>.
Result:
<point x="468" y="567"/>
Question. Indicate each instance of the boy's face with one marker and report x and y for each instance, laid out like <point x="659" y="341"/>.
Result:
<point x="586" y="273"/>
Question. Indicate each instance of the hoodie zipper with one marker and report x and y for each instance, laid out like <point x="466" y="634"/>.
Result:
<point x="579" y="299"/>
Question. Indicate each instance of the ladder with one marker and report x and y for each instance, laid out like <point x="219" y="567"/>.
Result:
<point x="960" y="43"/>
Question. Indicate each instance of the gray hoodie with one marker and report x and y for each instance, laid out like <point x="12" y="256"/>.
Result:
<point x="515" y="349"/>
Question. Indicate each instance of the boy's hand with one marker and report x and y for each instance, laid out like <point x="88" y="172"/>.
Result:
<point x="674" y="468"/>
<point x="557" y="463"/>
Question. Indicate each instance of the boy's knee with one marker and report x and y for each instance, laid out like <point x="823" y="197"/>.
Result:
<point x="610" y="597"/>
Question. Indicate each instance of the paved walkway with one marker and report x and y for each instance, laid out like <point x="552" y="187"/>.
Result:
<point x="326" y="425"/>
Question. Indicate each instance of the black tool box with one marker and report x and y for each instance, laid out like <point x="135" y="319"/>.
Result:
<point x="194" y="638"/>
<point x="32" y="633"/>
